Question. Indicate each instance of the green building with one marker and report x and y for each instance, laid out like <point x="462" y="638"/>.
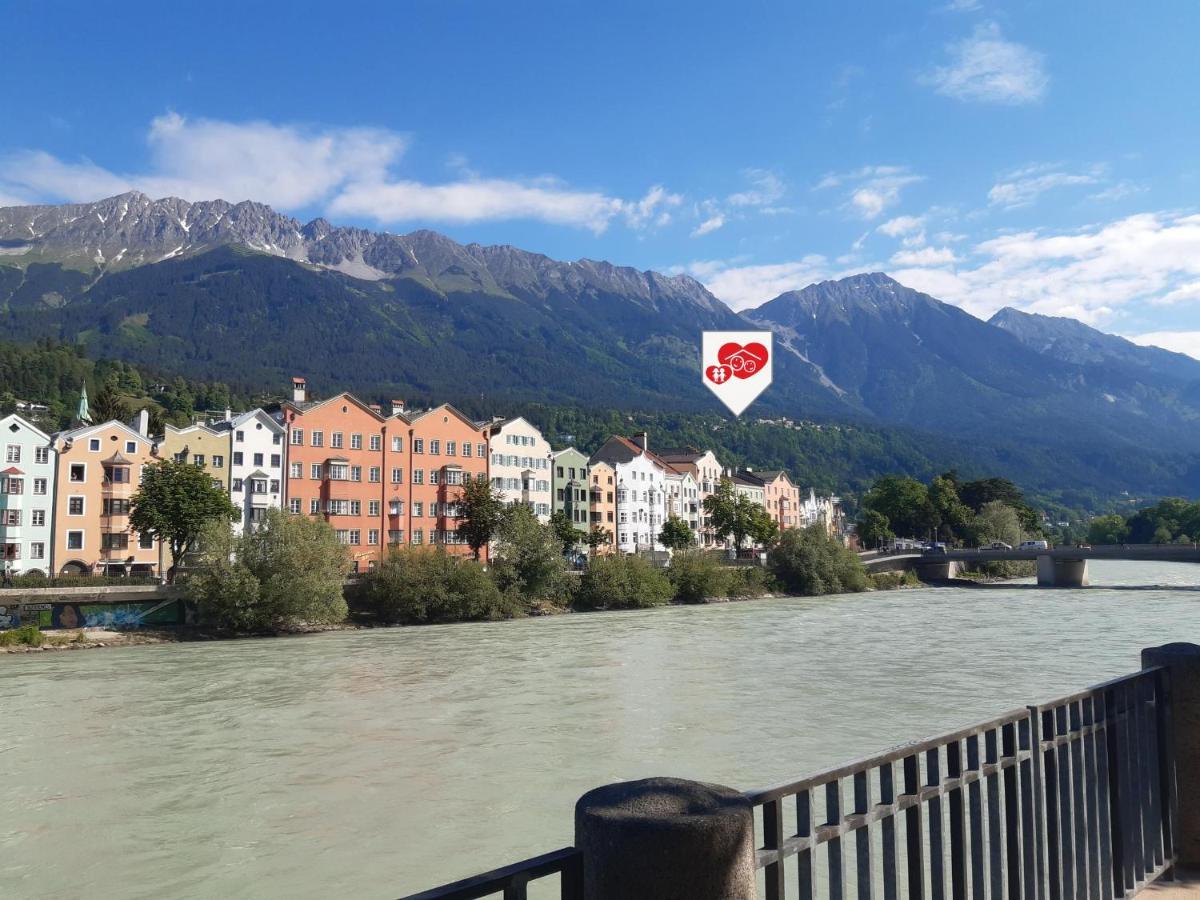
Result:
<point x="569" y="480"/>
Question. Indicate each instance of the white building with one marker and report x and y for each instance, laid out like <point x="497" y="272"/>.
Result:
<point x="520" y="465"/>
<point x="641" y="492"/>
<point x="683" y="500"/>
<point x="256" y="458"/>
<point x="703" y="466"/>
<point x="26" y="496"/>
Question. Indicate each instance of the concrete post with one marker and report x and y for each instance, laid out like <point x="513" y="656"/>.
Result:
<point x="666" y="839"/>
<point x="1183" y="663"/>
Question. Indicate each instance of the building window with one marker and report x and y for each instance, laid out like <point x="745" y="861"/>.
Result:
<point x="296" y="470"/>
<point x="466" y="448"/>
<point x="356" y="473"/>
<point x="355" y="537"/>
<point x="237" y="485"/>
<point x="373" y="508"/>
<point x="294" y="505"/>
<point x="397" y="476"/>
<point x="239" y="435"/>
<point x="418" y="509"/>
<point x="131" y="446"/>
<point x="218" y="461"/>
<point x="13" y="453"/>
<point x="94" y="445"/>
<point x="198" y="459"/>
<point x="433" y="476"/>
<point x="37" y="518"/>
<point x="418" y="476"/>
<point x="335" y="440"/>
<point x="397" y="444"/>
<point x="298" y="437"/>
<point x="258" y="459"/>
<point x="238" y="458"/>
<point x="276" y="460"/>
<point x="10" y="517"/>
<point x="342" y="535"/>
<point x="481" y="450"/>
<point x="373" y="474"/>
<point x="146" y="541"/>
<point x="435" y="447"/>
<point x="78" y="472"/>
<point x="74" y="506"/>
<point x="356" y="442"/>
<point x="376" y="443"/>
<point x="373" y="537"/>
<point x="15" y="486"/>
<point x="418" y="536"/>
<point x="418" y="447"/>
<point x="356" y="507"/>
<point x="318" y="439"/>
<point x="258" y="485"/>
<point x="276" y="438"/>
<point x="114" y="542"/>
<point x="74" y="540"/>
<point x="37" y="550"/>
<point x="274" y="485"/>
<point x="41" y="455"/>
<point x="314" y="507"/>
<point x="116" y="506"/>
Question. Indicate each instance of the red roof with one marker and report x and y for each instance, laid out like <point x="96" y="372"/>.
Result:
<point x="12" y="470"/>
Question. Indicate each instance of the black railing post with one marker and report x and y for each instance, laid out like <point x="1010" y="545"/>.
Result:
<point x="1178" y="727"/>
<point x="666" y="839"/>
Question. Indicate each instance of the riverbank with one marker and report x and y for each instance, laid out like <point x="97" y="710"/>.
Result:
<point x="84" y="639"/>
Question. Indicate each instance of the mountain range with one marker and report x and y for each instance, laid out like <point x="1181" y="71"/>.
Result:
<point x="242" y="293"/>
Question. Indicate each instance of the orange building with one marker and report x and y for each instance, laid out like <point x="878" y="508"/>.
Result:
<point x="444" y="449"/>
<point x="781" y="498"/>
<point x="99" y="470"/>
<point x="602" y="486"/>
<point x="340" y="457"/>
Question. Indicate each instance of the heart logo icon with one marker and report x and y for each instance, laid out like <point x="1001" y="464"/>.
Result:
<point x="718" y="374"/>
<point x="744" y="362"/>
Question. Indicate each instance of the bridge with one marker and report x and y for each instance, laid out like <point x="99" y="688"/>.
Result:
<point x="1056" y="567"/>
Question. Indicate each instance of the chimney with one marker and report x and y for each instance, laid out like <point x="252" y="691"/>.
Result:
<point x="228" y="414"/>
<point x="377" y="408"/>
<point x="397" y="407"/>
<point x="299" y="390"/>
<point x="642" y="439"/>
<point x="143" y="422"/>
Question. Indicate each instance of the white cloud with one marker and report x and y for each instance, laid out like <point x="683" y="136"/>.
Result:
<point x="909" y="229"/>
<point x="872" y="189"/>
<point x="1180" y="341"/>
<point x="1118" y="191"/>
<point x="340" y="170"/>
<point x="926" y="256"/>
<point x="961" y="6"/>
<point x="1024" y="186"/>
<point x="987" y="68"/>
<point x="742" y="287"/>
<point x="1184" y="292"/>
<point x="708" y="225"/>
<point x="766" y="189"/>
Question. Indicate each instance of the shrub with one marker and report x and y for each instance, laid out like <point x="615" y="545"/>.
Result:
<point x="288" y="572"/>
<point x="809" y="562"/>
<point x="529" y="560"/>
<point x="26" y="635"/>
<point x="622" y="582"/>
<point x="749" y="581"/>
<point x="697" y="577"/>
<point x="416" y="585"/>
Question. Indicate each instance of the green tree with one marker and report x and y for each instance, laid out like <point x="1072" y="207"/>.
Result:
<point x="482" y="511"/>
<point x="808" y="561"/>
<point x="763" y="529"/>
<point x="722" y="510"/>
<point x="696" y="577"/>
<point x="565" y="530"/>
<point x="953" y="516"/>
<point x="1110" y="529"/>
<point x="598" y="537"/>
<point x="174" y="503"/>
<point x="108" y="404"/>
<point x="418" y="585"/>
<point x="905" y="503"/>
<point x="529" y="558"/>
<point x="997" y="521"/>
<point x="676" y="534"/>
<point x="289" y="571"/>
<point x="873" y="529"/>
<point x="622" y="582"/>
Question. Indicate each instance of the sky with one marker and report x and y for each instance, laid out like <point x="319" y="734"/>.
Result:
<point x="1040" y="155"/>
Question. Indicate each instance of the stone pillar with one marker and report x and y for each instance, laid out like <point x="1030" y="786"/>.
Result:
<point x="666" y="839"/>
<point x="1056" y="572"/>
<point x="1183" y="663"/>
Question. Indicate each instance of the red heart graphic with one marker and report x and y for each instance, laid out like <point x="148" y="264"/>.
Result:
<point x="718" y="374"/>
<point x="744" y="361"/>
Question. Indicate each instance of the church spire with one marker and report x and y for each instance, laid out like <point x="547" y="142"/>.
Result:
<point x="83" y="414"/>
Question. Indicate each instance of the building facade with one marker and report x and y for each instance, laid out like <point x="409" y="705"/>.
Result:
<point x="707" y="471"/>
<point x="257" y="454"/>
<point x="337" y="454"/>
<point x="519" y="465"/>
<point x="602" y="499"/>
<point x="27" y="490"/>
<point x="781" y="498"/>
<point x="99" y="470"/>
<point x="200" y="445"/>
<point x="569" y="482"/>
<point x="641" y="492"/>
<point x="747" y="484"/>
<point x="445" y="449"/>
<point x="683" y="500"/>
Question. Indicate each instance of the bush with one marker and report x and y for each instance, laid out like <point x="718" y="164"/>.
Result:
<point x="697" y="577"/>
<point x="809" y="562"/>
<point x="416" y="586"/>
<point x="887" y="581"/>
<point x="26" y="635"/>
<point x="529" y="560"/>
<point x="289" y="572"/>
<point x="749" y="581"/>
<point x="622" y="582"/>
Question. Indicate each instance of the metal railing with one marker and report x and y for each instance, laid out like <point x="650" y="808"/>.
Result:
<point x="1073" y="798"/>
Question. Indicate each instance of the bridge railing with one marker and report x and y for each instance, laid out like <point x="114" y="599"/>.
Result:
<point x="1074" y="797"/>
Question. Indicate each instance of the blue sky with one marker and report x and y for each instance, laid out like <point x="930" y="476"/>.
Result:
<point x="1035" y="154"/>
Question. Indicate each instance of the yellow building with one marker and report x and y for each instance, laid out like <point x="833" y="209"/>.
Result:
<point x="200" y="445"/>
<point x="602" y="484"/>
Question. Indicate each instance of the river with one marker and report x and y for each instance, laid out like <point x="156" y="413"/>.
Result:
<point x="371" y="764"/>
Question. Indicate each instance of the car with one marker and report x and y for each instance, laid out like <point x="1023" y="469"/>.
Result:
<point x="1083" y="546"/>
<point x="998" y="545"/>
<point x="1035" y="545"/>
<point x="935" y="550"/>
